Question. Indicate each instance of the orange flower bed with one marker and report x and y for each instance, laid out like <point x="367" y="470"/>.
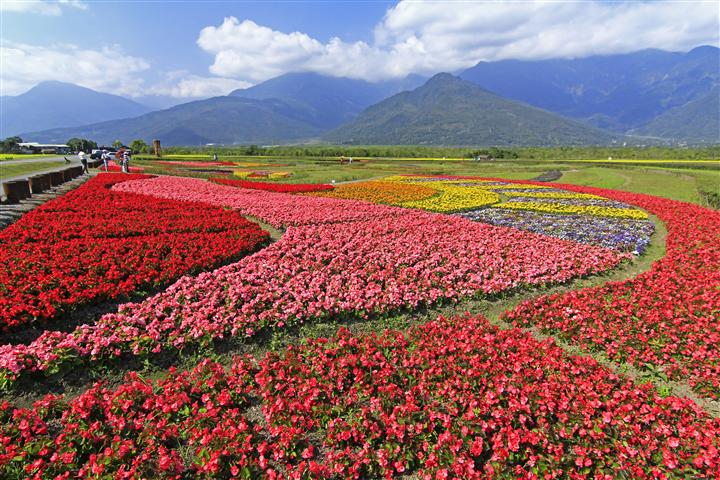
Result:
<point x="390" y="193"/>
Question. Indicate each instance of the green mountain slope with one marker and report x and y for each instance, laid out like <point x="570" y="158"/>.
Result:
<point x="698" y="120"/>
<point x="618" y="92"/>
<point x="225" y="120"/>
<point x="327" y="101"/>
<point x="450" y="111"/>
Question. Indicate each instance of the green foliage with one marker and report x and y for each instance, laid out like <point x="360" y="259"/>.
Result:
<point x="117" y="143"/>
<point x="81" y="144"/>
<point x="450" y="111"/>
<point x="139" y="146"/>
<point x="416" y="151"/>
<point x="10" y="145"/>
<point x="495" y="152"/>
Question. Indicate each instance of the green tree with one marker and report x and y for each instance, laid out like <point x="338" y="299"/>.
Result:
<point x="81" y="144"/>
<point x="10" y="144"/>
<point x="117" y="143"/>
<point x="139" y="146"/>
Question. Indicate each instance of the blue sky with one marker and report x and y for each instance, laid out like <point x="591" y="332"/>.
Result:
<point x="196" y="49"/>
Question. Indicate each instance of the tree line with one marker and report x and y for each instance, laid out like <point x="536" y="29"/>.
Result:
<point x="11" y="145"/>
<point x="401" y="151"/>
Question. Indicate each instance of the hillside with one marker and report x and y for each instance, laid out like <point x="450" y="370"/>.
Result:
<point x="57" y="104"/>
<point x="450" y="111"/>
<point x="327" y="101"/>
<point x="618" y="92"/>
<point x="697" y="120"/>
<point x="225" y="120"/>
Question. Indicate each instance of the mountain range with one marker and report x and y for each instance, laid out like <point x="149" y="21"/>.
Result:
<point x="54" y="104"/>
<point x="652" y="93"/>
<point x="327" y="101"/>
<point x="620" y="93"/>
<point x="450" y="111"/>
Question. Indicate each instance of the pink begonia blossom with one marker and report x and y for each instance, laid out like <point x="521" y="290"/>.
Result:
<point x="340" y="259"/>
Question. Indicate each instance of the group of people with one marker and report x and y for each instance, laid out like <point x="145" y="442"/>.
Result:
<point x="123" y="157"/>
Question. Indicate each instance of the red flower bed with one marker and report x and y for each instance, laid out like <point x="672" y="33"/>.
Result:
<point x="114" y="167"/>
<point x="187" y="163"/>
<point x="275" y="187"/>
<point x="664" y="320"/>
<point x="94" y="243"/>
<point x="450" y="399"/>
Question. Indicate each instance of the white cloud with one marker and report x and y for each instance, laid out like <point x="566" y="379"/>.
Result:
<point x="427" y="37"/>
<point x="108" y="69"/>
<point x="42" y="7"/>
<point x="181" y="84"/>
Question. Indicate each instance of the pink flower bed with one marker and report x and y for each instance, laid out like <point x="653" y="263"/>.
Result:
<point x="277" y="209"/>
<point x="375" y="260"/>
<point x="275" y="187"/>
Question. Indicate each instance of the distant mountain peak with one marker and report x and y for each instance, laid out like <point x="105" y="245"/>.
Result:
<point x="442" y="77"/>
<point x="55" y="85"/>
<point x="54" y="104"/>
<point x="703" y="50"/>
<point x="448" y="110"/>
<point x="620" y="92"/>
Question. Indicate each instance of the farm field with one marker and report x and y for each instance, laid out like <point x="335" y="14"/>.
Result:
<point x="18" y="156"/>
<point x="276" y="317"/>
<point x="15" y="169"/>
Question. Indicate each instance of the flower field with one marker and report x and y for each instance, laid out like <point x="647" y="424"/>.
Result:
<point x="114" y="167"/>
<point x="346" y="269"/>
<point x="453" y="397"/>
<point x="390" y="193"/>
<point x="94" y="243"/>
<point x="189" y="163"/>
<point x="626" y="235"/>
<point x="274" y="187"/>
<point x="666" y="319"/>
<point x="579" y="217"/>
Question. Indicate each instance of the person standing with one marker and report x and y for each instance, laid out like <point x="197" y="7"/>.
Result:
<point x="83" y="160"/>
<point x="215" y="157"/>
<point x="126" y="161"/>
<point x="105" y="159"/>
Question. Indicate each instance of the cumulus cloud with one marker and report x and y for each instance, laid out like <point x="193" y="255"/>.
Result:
<point x="182" y="84"/>
<point x="107" y="69"/>
<point x="41" y="7"/>
<point x="427" y="37"/>
<point x="252" y="52"/>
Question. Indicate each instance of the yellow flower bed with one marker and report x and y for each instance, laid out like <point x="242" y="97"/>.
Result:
<point x="516" y="185"/>
<point x="453" y="198"/>
<point x="274" y="175"/>
<point x="552" y="195"/>
<point x="575" y="209"/>
<point x="390" y="193"/>
<point x="251" y="164"/>
<point x="420" y="181"/>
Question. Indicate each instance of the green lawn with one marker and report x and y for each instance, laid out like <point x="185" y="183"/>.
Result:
<point x="678" y="184"/>
<point x="19" y="156"/>
<point x="24" y="168"/>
